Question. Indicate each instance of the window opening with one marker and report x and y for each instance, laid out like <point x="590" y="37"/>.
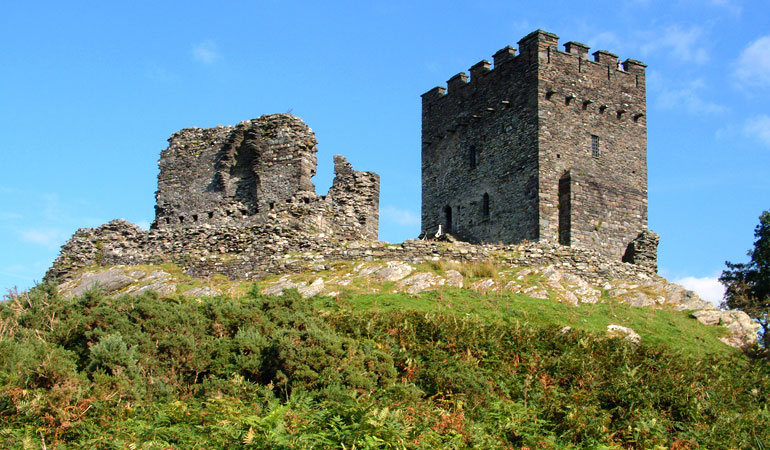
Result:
<point x="595" y="150"/>
<point x="565" y="212"/>
<point x="472" y="156"/>
<point x="447" y="219"/>
<point x="485" y="206"/>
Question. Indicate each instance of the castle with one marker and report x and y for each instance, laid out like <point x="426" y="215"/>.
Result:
<point x="547" y="145"/>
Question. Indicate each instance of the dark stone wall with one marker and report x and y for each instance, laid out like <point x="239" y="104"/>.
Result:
<point x="259" y="172"/>
<point x="579" y="99"/>
<point x="253" y="252"/>
<point x="531" y="122"/>
<point x="234" y="174"/>
<point x="490" y="119"/>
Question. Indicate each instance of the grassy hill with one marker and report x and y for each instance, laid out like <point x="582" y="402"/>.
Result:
<point x="367" y="368"/>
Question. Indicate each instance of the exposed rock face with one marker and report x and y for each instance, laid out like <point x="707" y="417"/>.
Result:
<point x="743" y="329"/>
<point x="546" y="282"/>
<point x="624" y="333"/>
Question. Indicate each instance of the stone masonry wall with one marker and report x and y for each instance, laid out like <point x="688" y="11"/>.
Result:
<point x="251" y="253"/>
<point x="497" y="148"/>
<point x="592" y="126"/>
<point x="479" y="153"/>
<point x="249" y="174"/>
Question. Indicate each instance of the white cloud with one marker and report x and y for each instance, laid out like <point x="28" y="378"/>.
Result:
<point x="753" y="65"/>
<point x="205" y="52"/>
<point x="707" y="288"/>
<point x="400" y="216"/>
<point x="48" y="237"/>
<point x="605" y="40"/>
<point x="143" y="224"/>
<point x="759" y="128"/>
<point x="680" y="43"/>
<point x="688" y="98"/>
<point x="10" y="216"/>
<point x="728" y="5"/>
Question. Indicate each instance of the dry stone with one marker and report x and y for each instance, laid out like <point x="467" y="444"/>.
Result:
<point x="108" y="281"/>
<point x="421" y="282"/>
<point x="394" y="271"/>
<point x="619" y="331"/>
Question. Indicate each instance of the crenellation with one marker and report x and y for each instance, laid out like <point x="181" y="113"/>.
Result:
<point x="564" y="114"/>
<point x="576" y="48"/>
<point x="605" y="57"/>
<point x="504" y="55"/>
<point x="456" y="82"/>
<point x="479" y="69"/>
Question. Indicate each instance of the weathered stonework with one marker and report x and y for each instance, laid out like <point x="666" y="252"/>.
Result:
<point x="254" y="172"/>
<point x="546" y="146"/>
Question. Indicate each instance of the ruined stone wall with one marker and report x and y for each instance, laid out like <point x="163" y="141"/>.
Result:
<point x="497" y="148"/>
<point x="235" y="174"/>
<point x="479" y="153"/>
<point x="260" y="172"/>
<point x="592" y="134"/>
<point x="356" y="196"/>
<point x="252" y="253"/>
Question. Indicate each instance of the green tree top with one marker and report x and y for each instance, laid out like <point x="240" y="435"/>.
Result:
<point x="748" y="285"/>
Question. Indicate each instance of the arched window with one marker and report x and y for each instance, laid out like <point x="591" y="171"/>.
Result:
<point x="485" y="206"/>
<point x="447" y="219"/>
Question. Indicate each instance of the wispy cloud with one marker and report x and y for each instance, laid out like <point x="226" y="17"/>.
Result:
<point x="605" y="40"/>
<point x="5" y="215"/>
<point x="681" y="43"/>
<point x="758" y="127"/>
<point x="707" y="288"/>
<point x="728" y="5"/>
<point x="47" y="237"/>
<point x="752" y="69"/>
<point x="399" y="216"/>
<point x="688" y="98"/>
<point x="205" y="52"/>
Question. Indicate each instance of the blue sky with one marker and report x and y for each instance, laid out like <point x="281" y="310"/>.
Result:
<point x="91" y="91"/>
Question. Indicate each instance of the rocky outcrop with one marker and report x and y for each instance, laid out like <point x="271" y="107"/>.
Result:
<point x="742" y="328"/>
<point x="330" y="277"/>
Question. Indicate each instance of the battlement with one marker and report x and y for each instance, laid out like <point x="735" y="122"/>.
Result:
<point x="496" y="146"/>
<point x="541" y="47"/>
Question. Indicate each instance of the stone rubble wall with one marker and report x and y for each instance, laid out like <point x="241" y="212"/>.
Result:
<point x="246" y="175"/>
<point x="285" y="245"/>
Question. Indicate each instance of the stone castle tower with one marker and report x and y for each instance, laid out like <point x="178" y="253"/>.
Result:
<point x="546" y="145"/>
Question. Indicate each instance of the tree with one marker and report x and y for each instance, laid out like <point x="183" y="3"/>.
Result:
<point x="748" y="285"/>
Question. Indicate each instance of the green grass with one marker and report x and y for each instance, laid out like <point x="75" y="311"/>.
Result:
<point x="451" y="369"/>
<point x="658" y="326"/>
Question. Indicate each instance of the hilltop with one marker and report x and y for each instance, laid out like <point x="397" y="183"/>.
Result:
<point x="373" y="354"/>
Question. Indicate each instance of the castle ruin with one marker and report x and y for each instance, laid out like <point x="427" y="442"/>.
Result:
<point x="546" y="145"/>
<point x="248" y="174"/>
